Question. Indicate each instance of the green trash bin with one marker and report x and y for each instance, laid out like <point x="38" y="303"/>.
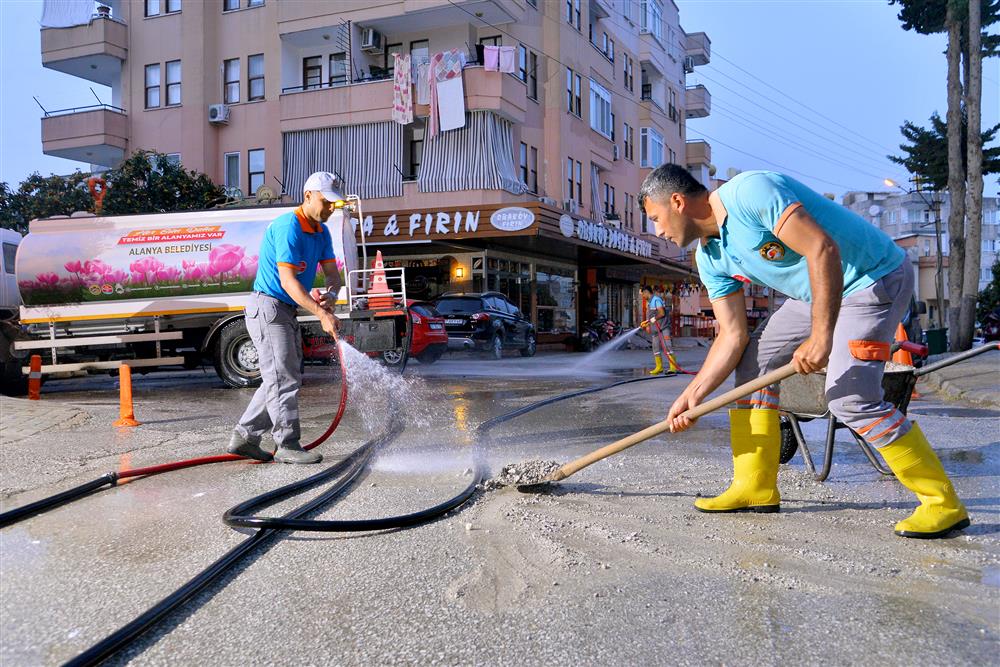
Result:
<point x="937" y="341"/>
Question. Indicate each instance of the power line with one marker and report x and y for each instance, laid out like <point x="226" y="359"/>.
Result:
<point x="627" y="98"/>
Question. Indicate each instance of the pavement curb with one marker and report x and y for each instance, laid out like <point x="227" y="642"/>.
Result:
<point x="964" y="381"/>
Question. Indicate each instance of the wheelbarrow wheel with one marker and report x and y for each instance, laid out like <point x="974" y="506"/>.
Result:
<point x="788" y="442"/>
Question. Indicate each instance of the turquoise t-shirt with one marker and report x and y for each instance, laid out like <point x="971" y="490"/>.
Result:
<point x="290" y="240"/>
<point x="656" y="302"/>
<point x="748" y="250"/>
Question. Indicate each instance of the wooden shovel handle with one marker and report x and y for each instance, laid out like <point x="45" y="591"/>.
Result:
<point x="656" y="429"/>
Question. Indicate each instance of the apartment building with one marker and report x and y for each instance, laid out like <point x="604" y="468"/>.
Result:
<point x="909" y="219"/>
<point x="534" y="196"/>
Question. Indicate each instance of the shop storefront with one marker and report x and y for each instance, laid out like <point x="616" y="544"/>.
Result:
<point x="562" y="270"/>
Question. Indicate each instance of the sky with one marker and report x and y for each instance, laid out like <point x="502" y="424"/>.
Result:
<point x="816" y="89"/>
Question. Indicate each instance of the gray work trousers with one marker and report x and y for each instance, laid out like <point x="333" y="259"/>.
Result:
<point x="661" y="334"/>
<point x="274" y="329"/>
<point x="867" y="321"/>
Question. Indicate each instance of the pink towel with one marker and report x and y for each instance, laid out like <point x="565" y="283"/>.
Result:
<point x="507" y="59"/>
<point x="491" y="58"/>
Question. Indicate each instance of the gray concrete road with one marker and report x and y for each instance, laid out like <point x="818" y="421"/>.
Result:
<point x="613" y="566"/>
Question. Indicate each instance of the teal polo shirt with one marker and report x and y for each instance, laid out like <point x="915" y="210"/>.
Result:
<point x="292" y="240"/>
<point x="758" y="203"/>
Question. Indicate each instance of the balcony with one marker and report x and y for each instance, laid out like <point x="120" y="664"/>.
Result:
<point x="94" y="52"/>
<point x="698" y="47"/>
<point x="698" y="152"/>
<point x="97" y="135"/>
<point x="371" y="101"/>
<point x="699" y="101"/>
<point x="398" y="15"/>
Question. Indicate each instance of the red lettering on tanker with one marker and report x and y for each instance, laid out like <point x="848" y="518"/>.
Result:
<point x="172" y="234"/>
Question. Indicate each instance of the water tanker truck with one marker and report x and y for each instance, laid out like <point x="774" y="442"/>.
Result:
<point x="167" y="290"/>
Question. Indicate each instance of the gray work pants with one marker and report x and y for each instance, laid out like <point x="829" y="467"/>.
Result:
<point x="661" y="334"/>
<point x="853" y="377"/>
<point x="274" y="330"/>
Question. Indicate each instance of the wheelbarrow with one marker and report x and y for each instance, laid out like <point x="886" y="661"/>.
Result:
<point x="803" y="399"/>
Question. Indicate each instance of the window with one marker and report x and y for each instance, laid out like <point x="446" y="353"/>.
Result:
<point x="609" y="199"/>
<point x="157" y="7"/>
<point x="255" y="3"/>
<point x="533" y="170"/>
<point x="9" y="254"/>
<point x="173" y="83"/>
<point x="255" y="77"/>
<point x="413" y="148"/>
<point x="173" y="158"/>
<point x="524" y="163"/>
<point x="600" y="110"/>
<point x="627" y="213"/>
<point x="652" y="148"/>
<point x="495" y="40"/>
<point x="230" y="5"/>
<point x="152" y="86"/>
<point x="522" y="63"/>
<point x="569" y="90"/>
<point x="338" y="69"/>
<point x="576" y="14"/>
<point x="533" y="75"/>
<point x="579" y="183"/>
<point x="231" y="171"/>
<point x="533" y="3"/>
<point x="628" y="72"/>
<point x="652" y="18"/>
<point x="389" y="61"/>
<point x="312" y="72"/>
<point x="420" y="51"/>
<point x="627" y="10"/>
<point x="231" y="88"/>
<point x="672" y="108"/>
<point x="569" y="177"/>
<point x="629" y="139"/>
<point x="608" y="47"/>
<point x="255" y="179"/>
<point x="577" y="85"/>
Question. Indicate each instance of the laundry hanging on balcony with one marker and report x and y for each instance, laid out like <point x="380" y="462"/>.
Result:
<point x="402" y="94"/>
<point x="596" y="207"/>
<point x="507" y="59"/>
<point x="422" y="81"/>
<point x="447" y="92"/>
<point x="336" y="149"/>
<point x="479" y="156"/>
<point x="66" y="13"/>
<point x="491" y="58"/>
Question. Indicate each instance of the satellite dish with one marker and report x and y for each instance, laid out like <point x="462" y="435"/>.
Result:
<point x="264" y="192"/>
<point x="874" y="210"/>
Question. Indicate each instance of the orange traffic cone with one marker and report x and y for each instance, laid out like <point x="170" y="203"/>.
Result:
<point x="125" y="412"/>
<point x="379" y="294"/>
<point x="35" y="378"/>
<point x="902" y="356"/>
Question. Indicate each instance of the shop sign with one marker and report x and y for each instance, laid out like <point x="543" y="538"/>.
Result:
<point x="416" y="225"/>
<point x="606" y="237"/>
<point x="512" y="219"/>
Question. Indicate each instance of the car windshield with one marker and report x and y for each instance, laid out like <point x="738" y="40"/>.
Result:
<point x="459" y="306"/>
<point x="424" y="309"/>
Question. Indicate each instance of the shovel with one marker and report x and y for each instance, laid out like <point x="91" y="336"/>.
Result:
<point x="579" y="464"/>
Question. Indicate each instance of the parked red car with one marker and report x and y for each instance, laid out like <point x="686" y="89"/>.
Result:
<point x="430" y="338"/>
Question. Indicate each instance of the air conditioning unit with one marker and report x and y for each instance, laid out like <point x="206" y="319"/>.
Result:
<point x="218" y="114"/>
<point x="688" y="64"/>
<point x="613" y="220"/>
<point x="616" y="153"/>
<point x="548" y="200"/>
<point x="371" y="40"/>
<point x="571" y="205"/>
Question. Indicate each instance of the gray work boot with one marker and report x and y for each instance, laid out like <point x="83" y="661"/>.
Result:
<point x="242" y="447"/>
<point x="295" y="454"/>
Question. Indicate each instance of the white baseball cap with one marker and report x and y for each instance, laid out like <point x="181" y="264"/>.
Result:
<point x="327" y="184"/>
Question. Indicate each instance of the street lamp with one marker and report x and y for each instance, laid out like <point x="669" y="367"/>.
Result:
<point x="939" y="276"/>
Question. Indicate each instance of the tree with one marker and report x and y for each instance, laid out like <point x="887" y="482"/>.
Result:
<point x="989" y="298"/>
<point x="42" y="196"/>
<point x="926" y="154"/>
<point x="149" y="182"/>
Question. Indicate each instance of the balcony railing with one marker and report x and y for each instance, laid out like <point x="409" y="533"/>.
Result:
<point x="92" y="107"/>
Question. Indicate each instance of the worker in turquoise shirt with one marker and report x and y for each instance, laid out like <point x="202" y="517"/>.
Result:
<point x="848" y="285"/>
<point x="294" y="245"/>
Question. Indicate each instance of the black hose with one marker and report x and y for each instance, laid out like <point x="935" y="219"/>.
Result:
<point x="18" y="513"/>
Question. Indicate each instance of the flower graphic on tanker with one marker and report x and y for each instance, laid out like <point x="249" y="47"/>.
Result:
<point x="224" y="258"/>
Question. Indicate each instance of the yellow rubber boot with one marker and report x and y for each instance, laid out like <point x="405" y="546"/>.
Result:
<point x="673" y="367"/>
<point x="917" y="467"/>
<point x="658" y="368"/>
<point x="755" y="437"/>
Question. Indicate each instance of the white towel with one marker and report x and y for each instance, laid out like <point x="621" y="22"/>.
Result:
<point x="451" y="103"/>
<point x="507" y="59"/>
<point x="422" y="81"/>
<point x="66" y="13"/>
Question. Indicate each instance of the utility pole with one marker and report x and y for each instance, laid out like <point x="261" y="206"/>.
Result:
<point x="934" y="206"/>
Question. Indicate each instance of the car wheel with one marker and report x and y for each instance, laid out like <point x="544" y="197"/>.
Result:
<point x="429" y="357"/>
<point x="788" y="442"/>
<point x="495" y="349"/>
<point x="235" y="357"/>
<point x="529" y="349"/>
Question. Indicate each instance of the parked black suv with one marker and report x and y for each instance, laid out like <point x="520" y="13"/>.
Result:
<point x="487" y="322"/>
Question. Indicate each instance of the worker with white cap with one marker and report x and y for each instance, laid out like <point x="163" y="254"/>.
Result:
<point x="294" y="244"/>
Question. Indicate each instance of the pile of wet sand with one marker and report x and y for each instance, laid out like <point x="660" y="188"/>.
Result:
<point x="522" y="474"/>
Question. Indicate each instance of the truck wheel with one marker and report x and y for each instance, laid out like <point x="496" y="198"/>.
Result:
<point x="236" y="357"/>
<point x="395" y="359"/>
<point x="12" y="381"/>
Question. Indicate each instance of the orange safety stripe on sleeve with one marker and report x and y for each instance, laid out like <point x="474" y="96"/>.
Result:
<point x="785" y="215"/>
<point x="869" y="350"/>
<point x="865" y="429"/>
<point x="291" y="266"/>
<point x="894" y="425"/>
